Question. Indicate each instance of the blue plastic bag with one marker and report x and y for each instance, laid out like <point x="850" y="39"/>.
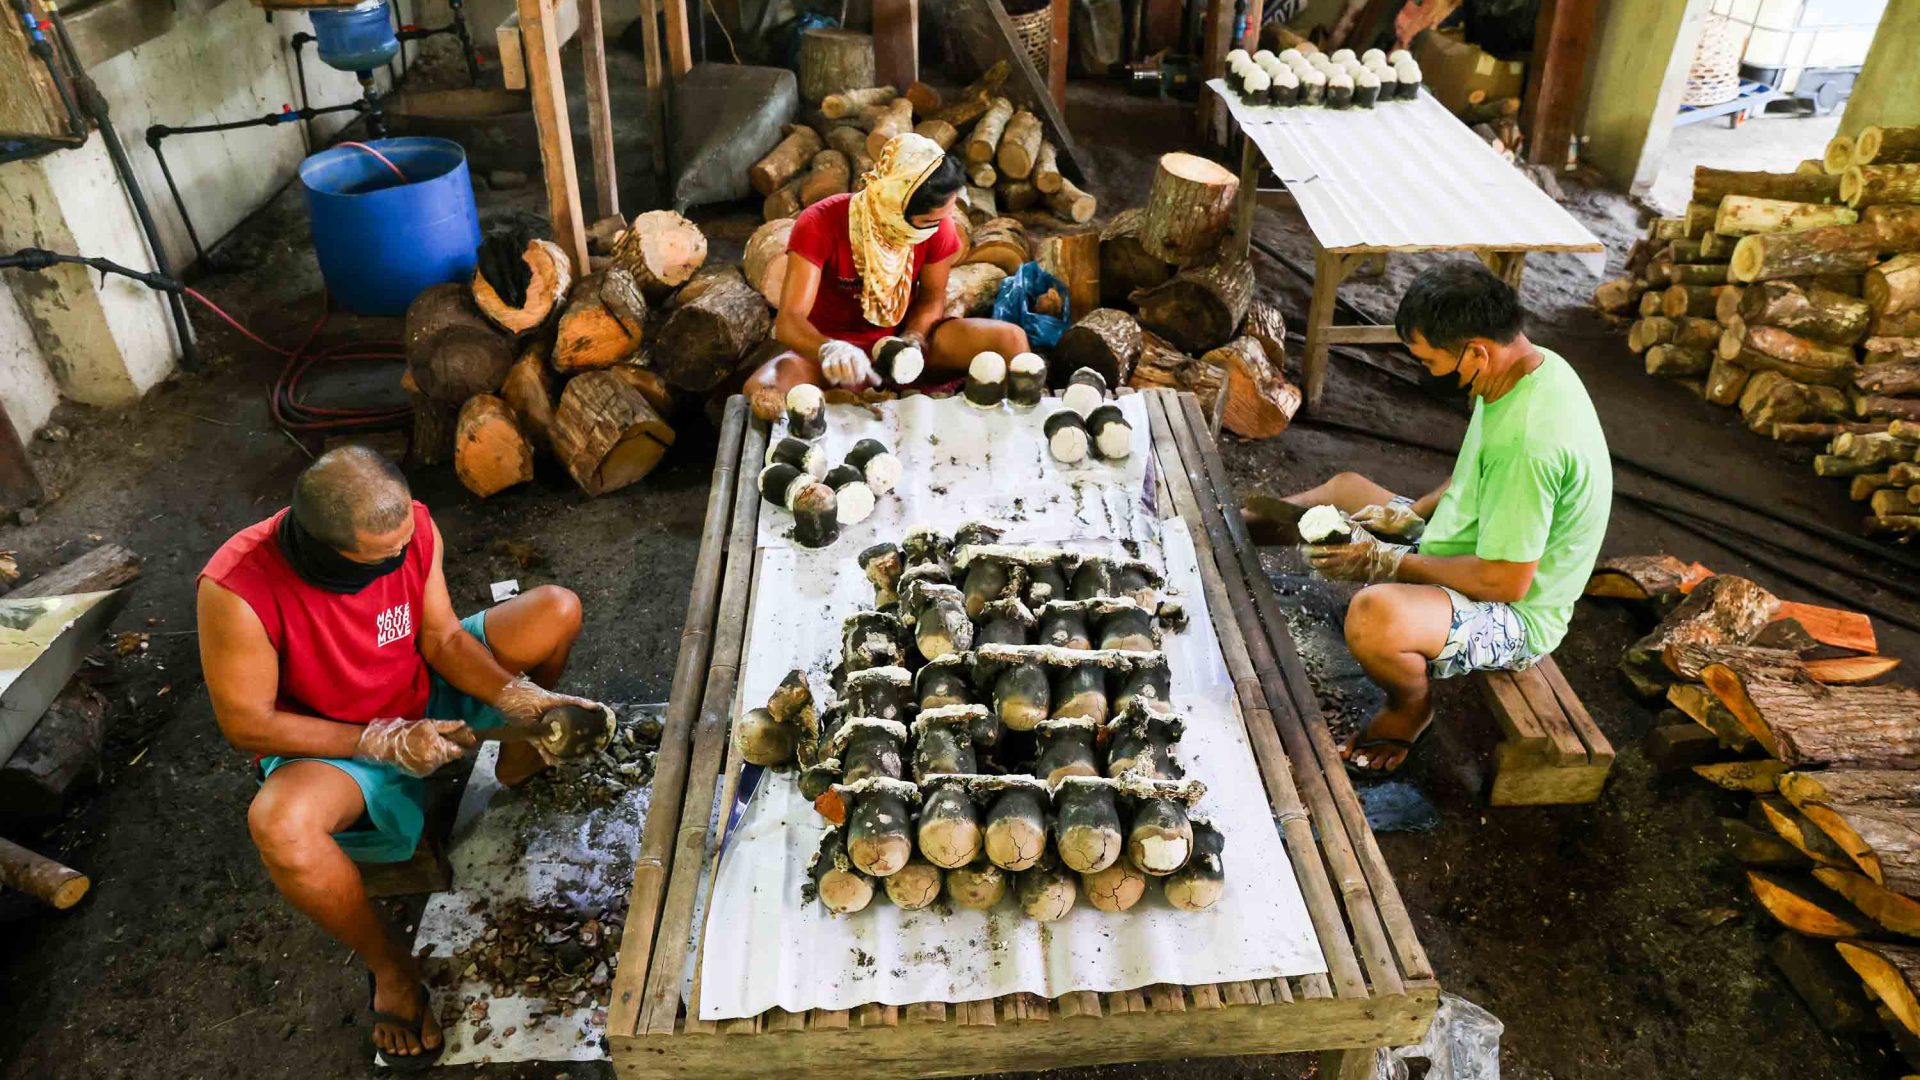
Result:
<point x="1014" y="304"/>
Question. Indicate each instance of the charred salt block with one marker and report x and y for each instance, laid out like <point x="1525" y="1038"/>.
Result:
<point x="1063" y="625"/>
<point x="1081" y="690"/>
<point x="1026" y="380"/>
<point x="1236" y="77"/>
<point x="1407" y="74"/>
<point x="872" y="639"/>
<point x="882" y="564"/>
<point x="885" y="692"/>
<point x="763" y="740"/>
<point x="791" y="703"/>
<point x="1160" y="833"/>
<point x="1004" y="622"/>
<point x="1325" y="524"/>
<point x="1117" y="888"/>
<point x="1086" y="823"/>
<point x="806" y="412"/>
<point x="1140" y="744"/>
<point x="948" y="832"/>
<point x="926" y="547"/>
<point x="1086" y="389"/>
<point x="832" y="878"/>
<point x="819" y="778"/>
<point x="1046" y="582"/>
<point x="879" y="466"/>
<point x="1313" y="86"/>
<point x="1286" y="87"/>
<point x="1389" y="82"/>
<point x="941" y="625"/>
<point x="1066" y="748"/>
<point x="780" y="481"/>
<point x="1111" y="435"/>
<point x="800" y="454"/>
<point x="1124" y="625"/>
<point x="1066" y="437"/>
<point x="1366" y="88"/>
<point x="916" y="886"/>
<point x="1148" y="683"/>
<point x="898" y="360"/>
<point x="1046" y="892"/>
<point x="1021" y="696"/>
<point x="868" y="746"/>
<point x="879" y="824"/>
<point x="1093" y="578"/>
<point x="851" y="493"/>
<point x="944" y="683"/>
<point x="987" y="580"/>
<point x="1254" y="86"/>
<point x="943" y="741"/>
<point x="1197" y="886"/>
<point x="1339" y="90"/>
<point x="977" y="887"/>
<point x="1135" y="579"/>
<point x="986" y="381"/>
<point x="1016" y="820"/>
<point x="816" y="516"/>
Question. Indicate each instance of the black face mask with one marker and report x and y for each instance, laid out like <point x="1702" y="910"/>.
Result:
<point x="320" y="566"/>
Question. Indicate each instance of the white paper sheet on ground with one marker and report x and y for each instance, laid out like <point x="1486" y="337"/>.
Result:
<point x="506" y="849"/>
<point x="766" y="948"/>
<point x="966" y="464"/>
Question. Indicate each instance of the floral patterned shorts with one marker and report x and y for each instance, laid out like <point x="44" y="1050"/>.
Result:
<point x="1485" y="636"/>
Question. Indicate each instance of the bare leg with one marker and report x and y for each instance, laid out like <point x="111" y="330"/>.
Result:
<point x="292" y="820"/>
<point x="1393" y="630"/>
<point x="766" y="389"/>
<point x="1271" y="519"/>
<point x="533" y="633"/>
<point x="956" y="342"/>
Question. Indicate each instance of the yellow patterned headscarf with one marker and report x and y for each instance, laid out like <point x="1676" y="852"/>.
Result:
<point x="883" y="239"/>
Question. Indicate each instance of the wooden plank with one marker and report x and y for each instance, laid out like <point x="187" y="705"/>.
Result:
<point x="1599" y="749"/>
<point x="927" y="1012"/>
<point x="670" y="762"/>
<point x="679" y="45"/>
<point x="1166" y="997"/>
<point x="1062" y="21"/>
<point x="874" y="1014"/>
<point x="1509" y="707"/>
<point x="662" y="1005"/>
<point x="1216" y="35"/>
<point x="1229" y="611"/>
<point x="1837" y="627"/>
<point x="977" y="1013"/>
<point x="1392" y="909"/>
<point x="1361" y="335"/>
<point x="593" y="60"/>
<point x="780" y="1020"/>
<point x="556" y="132"/>
<point x="1567" y="749"/>
<point x="1562" y="40"/>
<point x="513" y="62"/>
<point x="985" y="35"/>
<point x="1209" y="996"/>
<point x="896" y="43"/>
<point x="650" y="48"/>
<point x="1079" y="1004"/>
<point x="829" y="1020"/>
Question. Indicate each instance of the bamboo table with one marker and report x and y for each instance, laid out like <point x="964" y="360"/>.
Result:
<point x="1378" y="990"/>
<point x="1403" y="176"/>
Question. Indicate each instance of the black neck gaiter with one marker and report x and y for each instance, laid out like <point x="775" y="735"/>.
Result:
<point x="320" y="566"/>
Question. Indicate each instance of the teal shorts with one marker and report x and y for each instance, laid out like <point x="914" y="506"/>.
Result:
<point x="389" y="831"/>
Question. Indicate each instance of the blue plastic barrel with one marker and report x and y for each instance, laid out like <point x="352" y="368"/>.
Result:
<point x="359" y="38"/>
<point x="381" y="240"/>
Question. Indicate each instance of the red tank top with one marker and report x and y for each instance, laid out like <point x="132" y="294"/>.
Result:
<point x="351" y="658"/>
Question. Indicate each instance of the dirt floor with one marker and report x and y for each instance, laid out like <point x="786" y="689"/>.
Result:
<point x="1594" y="933"/>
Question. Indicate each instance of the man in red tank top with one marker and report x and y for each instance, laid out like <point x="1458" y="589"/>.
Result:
<point x="331" y="650"/>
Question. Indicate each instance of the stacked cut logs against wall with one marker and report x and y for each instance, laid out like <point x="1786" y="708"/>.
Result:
<point x="1795" y="297"/>
<point x="1788" y="702"/>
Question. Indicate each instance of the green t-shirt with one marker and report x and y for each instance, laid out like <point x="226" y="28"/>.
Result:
<point x="1534" y="467"/>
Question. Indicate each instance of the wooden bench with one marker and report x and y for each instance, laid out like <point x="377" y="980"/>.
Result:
<point x="1550" y="751"/>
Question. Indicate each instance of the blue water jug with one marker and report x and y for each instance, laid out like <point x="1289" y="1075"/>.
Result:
<point x="359" y="38"/>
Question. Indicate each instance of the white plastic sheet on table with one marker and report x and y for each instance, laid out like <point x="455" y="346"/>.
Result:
<point x="1406" y="175"/>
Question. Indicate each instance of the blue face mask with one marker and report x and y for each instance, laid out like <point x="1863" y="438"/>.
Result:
<point x="322" y="567"/>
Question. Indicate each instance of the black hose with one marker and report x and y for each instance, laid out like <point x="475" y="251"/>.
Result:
<point x="95" y="104"/>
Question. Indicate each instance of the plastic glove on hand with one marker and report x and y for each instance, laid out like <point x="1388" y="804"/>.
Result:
<point x="845" y="366"/>
<point x="1396" y="520"/>
<point x="1366" y="559"/>
<point x="415" y="747"/>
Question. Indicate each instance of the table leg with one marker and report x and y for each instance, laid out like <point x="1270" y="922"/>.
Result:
<point x="1249" y="195"/>
<point x="1329" y="269"/>
<point x="1507" y="265"/>
<point x="1353" y="1064"/>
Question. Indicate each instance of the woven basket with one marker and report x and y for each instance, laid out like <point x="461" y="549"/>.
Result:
<point x="1035" y="30"/>
<point x="1715" y="74"/>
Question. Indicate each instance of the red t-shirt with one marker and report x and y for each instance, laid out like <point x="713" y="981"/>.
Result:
<point x="820" y="236"/>
<point x="351" y="658"/>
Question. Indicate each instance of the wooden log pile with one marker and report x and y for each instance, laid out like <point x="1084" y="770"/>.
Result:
<point x="1795" y="297"/>
<point x="1787" y="703"/>
<point x="583" y="365"/>
<point x="1000" y="725"/>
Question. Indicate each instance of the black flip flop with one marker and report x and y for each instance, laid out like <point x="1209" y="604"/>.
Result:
<point x="1271" y="522"/>
<point x="1359" y="772"/>
<point x="406" y="1063"/>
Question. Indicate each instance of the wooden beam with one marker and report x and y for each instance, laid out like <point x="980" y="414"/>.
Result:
<point x="556" y="131"/>
<point x="19" y="486"/>
<point x="1562" y="40"/>
<point x="679" y="45"/>
<point x="513" y="62"/>
<point x="1062" y="20"/>
<point x="650" y="44"/>
<point x="896" y="42"/>
<point x="593" y="58"/>
<point x="1256" y="13"/>
<point x="1216" y="35"/>
<point x="984" y="36"/>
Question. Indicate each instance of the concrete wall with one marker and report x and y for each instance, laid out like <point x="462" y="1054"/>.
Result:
<point x="1634" y="81"/>
<point x="1888" y="91"/>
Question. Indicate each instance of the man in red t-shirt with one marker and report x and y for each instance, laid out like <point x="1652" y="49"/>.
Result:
<point x="872" y="265"/>
<point x="331" y="650"/>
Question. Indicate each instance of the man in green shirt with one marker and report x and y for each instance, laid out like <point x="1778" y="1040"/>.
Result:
<point x="1504" y="547"/>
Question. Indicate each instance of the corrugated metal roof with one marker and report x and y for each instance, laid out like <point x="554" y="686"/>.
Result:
<point x="1405" y="175"/>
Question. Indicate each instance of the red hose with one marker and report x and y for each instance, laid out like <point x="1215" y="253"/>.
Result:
<point x="295" y="415"/>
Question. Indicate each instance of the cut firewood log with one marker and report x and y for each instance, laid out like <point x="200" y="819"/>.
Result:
<point x="1797" y="830"/>
<point x="1687" y="660"/>
<point x="1772" y="398"/>
<point x="850" y="102"/>
<point x="1712" y="185"/>
<point x="1744" y="215"/>
<point x="1899" y="225"/>
<point x="765" y="261"/>
<point x="1893" y="287"/>
<point x="785" y="162"/>
<point x="1695" y="300"/>
<point x="1896" y="912"/>
<point x="834" y="61"/>
<point x="1699" y="705"/>
<point x="602" y="323"/>
<point x="606" y="431"/>
<point x="1715" y="247"/>
<point x="546" y="292"/>
<point x="1202" y="306"/>
<point x="1618" y="295"/>
<point x="1691" y="251"/>
<point x="1653" y="302"/>
<point x="1019" y="148"/>
<point x="926" y="99"/>
<point x="1074" y="258"/>
<point x="1699" y="218"/>
<point x="1880" y="144"/>
<point x="1665" y="229"/>
<point x="984" y="142"/>
<point x="1725" y="381"/>
<point x="528" y="391"/>
<point x="1837" y="156"/>
<point x="701" y="343"/>
<point x="1001" y="242"/>
<point x="705" y="278"/>
<point x="971" y="288"/>
<point x="661" y="250"/>
<point x="1821" y="432"/>
<point x="52" y="883"/>
<point x="1769" y="348"/>
<point x="851" y="142"/>
<point x="1830" y="989"/>
<point x="1678" y="361"/>
<point x="1072" y="204"/>
<point x="1017" y="195"/>
<point x="1876" y="449"/>
<point x="831" y="174"/>
<point x="1870" y="185"/>
<point x="783" y="203"/>
<point x="1807" y="907"/>
<point x="1107" y="340"/>
<point x="431" y="440"/>
<point x="1162" y="364"/>
<point x="1760" y="848"/>
<point x="943" y="134"/>
<point x="1871" y="814"/>
<point x="490" y="453"/>
<point x="1046" y="169"/>
<point x="1126" y="266"/>
<point x="1801" y="722"/>
<point x="453" y="351"/>
<point x="1722" y="610"/>
<point x="1892" y="976"/>
<point x="1887" y="408"/>
<point x="1188" y="211"/>
<point x="1878" y="350"/>
<point x="1260" y="401"/>
<point x="1709" y="274"/>
<point x="1819" y="314"/>
<point x="1834" y="249"/>
<point x="896" y="119"/>
<point x="1756" y="777"/>
<point x="1660" y="578"/>
<point x="1900" y="526"/>
<point x="983" y="174"/>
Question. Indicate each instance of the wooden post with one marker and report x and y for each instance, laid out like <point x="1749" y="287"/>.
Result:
<point x="1562" y="38"/>
<point x="18" y="485"/>
<point x="1062" y="20"/>
<point x="679" y="47"/>
<point x="593" y="59"/>
<point x="1249" y="195"/>
<point x="650" y="44"/>
<point x="556" y="132"/>
<point x="896" y="42"/>
<point x="1216" y="32"/>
